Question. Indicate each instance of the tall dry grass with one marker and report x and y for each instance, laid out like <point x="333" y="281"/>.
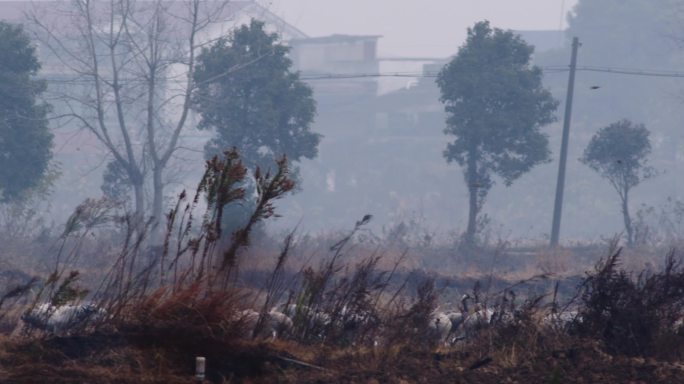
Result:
<point x="352" y="305"/>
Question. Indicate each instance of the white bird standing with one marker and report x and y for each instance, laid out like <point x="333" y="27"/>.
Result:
<point x="315" y="319"/>
<point x="456" y="318"/>
<point x="477" y="319"/>
<point x="560" y="320"/>
<point x="56" y="319"/>
<point x="279" y="323"/>
<point x="275" y="323"/>
<point x="439" y="326"/>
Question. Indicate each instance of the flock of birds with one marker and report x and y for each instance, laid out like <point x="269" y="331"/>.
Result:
<point x="452" y="326"/>
<point x="446" y="327"/>
<point x="442" y="326"/>
<point x="458" y="325"/>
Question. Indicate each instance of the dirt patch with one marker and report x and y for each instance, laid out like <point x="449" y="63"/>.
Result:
<point x="113" y="358"/>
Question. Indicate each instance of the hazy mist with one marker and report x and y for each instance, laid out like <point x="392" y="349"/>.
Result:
<point x="432" y="28"/>
<point x="383" y="141"/>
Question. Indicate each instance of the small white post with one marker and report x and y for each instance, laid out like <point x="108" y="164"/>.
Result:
<point x="200" y="365"/>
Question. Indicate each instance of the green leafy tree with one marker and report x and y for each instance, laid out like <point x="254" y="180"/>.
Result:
<point x="25" y="141"/>
<point x="496" y="105"/>
<point x="619" y="153"/>
<point x="247" y="92"/>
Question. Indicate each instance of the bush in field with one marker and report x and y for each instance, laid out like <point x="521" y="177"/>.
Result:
<point x="635" y="315"/>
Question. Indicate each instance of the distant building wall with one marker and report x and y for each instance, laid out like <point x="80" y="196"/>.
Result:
<point x="339" y="54"/>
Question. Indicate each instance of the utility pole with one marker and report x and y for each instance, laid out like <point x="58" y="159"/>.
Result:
<point x="560" y="185"/>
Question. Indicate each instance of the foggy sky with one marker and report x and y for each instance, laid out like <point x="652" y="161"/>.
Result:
<point x="418" y="28"/>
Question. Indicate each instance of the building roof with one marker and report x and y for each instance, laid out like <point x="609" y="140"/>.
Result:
<point x="335" y="39"/>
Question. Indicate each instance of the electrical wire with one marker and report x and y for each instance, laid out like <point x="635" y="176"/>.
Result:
<point x="553" y="69"/>
<point x="546" y="69"/>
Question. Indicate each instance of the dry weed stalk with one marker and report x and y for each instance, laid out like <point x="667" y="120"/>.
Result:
<point x="634" y="315"/>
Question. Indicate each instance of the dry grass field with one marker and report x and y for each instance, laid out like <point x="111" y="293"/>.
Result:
<point x="346" y="307"/>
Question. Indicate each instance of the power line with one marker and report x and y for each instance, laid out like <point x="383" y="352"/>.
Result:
<point x="552" y="69"/>
<point x="546" y="69"/>
<point x="335" y="76"/>
<point x="632" y="72"/>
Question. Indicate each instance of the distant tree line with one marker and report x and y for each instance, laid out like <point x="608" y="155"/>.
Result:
<point x="244" y="89"/>
<point x="496" y="105"/>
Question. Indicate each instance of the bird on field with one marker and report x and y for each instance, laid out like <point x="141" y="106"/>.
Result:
<point x="560" y="320"/>
<point x="275" y="323"/>
<point x="57" y="319"/>
<point x="476" y="317"/>
<point x="439" y="326"/>
<point x="456" y="318"/>
<point x="302" y="314"/>
<point x="279" y="323"/>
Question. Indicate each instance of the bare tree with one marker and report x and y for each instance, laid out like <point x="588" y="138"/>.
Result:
<point x="130" y="67"/>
